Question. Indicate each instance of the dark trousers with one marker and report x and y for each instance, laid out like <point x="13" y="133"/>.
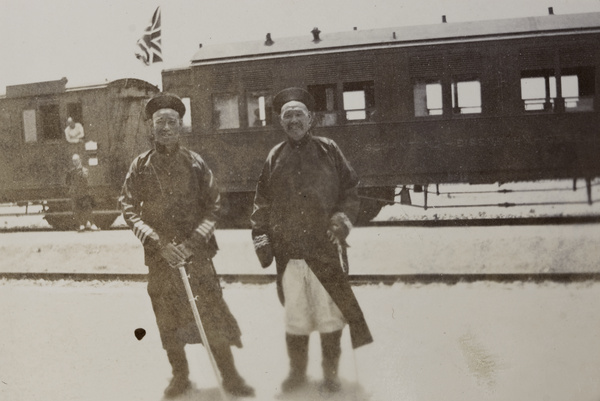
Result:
<point x="82" y="210"/>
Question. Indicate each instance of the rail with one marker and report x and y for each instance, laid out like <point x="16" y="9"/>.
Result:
<point x="43" y="206"/>
<point x="490" y="221"/>
<point x="355" y="280"/>
<point x="68" y="213"/>
<point x="42" y="203"/>
<point x="589" y="186"/>
<point x="503" y="204"/>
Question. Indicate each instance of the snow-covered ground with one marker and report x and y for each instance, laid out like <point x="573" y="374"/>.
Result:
<point x="373" y="250"/>
<point x="466" y="342"/>
<point x="65" y="340"/>
<point x="455" y="201"/>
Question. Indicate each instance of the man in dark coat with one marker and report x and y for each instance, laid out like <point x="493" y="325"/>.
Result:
<point x="305" y="200"/>
<point x="171" y="202"/>
<point x="81" y="198"/>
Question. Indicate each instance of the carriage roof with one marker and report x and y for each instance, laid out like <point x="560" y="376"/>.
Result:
<point x="399" y="36"/>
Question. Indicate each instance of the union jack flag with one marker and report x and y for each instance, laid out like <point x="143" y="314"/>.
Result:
<point x="149" y="45"/>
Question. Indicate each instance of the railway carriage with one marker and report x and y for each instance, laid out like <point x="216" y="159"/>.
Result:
<point x="36" y="155"/>
<point x="473" y="102"/>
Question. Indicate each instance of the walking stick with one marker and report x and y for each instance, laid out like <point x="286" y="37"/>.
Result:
<point x="341" y="256"/>
<point x="192" y="299"/>
<point x="340" y="250"/>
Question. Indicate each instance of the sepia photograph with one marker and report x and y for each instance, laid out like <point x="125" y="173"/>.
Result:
<point x="300" y="200"/>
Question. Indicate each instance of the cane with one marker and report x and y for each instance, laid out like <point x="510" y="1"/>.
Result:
<point x="192" y="299"/>
<point x="341" y="255"/>
<point x="340" y="250"/>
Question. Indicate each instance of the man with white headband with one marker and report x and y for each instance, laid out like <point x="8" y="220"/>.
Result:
<point x="305" y="201"/>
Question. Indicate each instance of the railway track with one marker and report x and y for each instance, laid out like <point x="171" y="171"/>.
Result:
<point x="470" y="222"/>
<point x="47" y="229"/>
<point x="355" y="280"/>
<point x="505" y="221"/>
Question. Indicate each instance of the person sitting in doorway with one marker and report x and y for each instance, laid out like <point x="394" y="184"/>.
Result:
<point x="74" y="131"/>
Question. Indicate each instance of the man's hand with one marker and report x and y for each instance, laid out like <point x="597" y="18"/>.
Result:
<point x="174" y="255"/>
<point x="185" y="249"/>
<point x="339" y="228"/>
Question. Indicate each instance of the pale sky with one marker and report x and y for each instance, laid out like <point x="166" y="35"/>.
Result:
<point x="91" y="41"/>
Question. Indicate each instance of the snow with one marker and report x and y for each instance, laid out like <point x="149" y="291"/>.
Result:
<point x="373" y="250"/>
<point x="456" y="201"/>
<point x="67" y="340"/>
<point x="470" y="341"/>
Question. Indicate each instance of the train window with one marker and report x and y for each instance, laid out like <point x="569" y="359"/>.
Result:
<point x="466" y="96"/>
<point x="50" y="119"/>
<point x="187" y="117"/>
<point x="578" y="88"/>
<point x="30" y="125"/>
<point x="428" y="98"/>
<point x="74" y="111"/>
<point x="260" y="108"/>
<point x="226" y="114"/>
<point x="538" y="90"/>
<point x="359" y="100"/>
<point x="325" y="105"/>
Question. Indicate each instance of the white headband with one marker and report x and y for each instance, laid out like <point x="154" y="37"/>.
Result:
<point x="294" y="104"/>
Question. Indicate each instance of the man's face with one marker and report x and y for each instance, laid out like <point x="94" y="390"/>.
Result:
<point x="295" y="120"/>
<point x="76" y="161"/>
<point x="166" y="127"/>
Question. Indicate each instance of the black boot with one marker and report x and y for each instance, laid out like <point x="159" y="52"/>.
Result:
<point x="180" y="382"/>
<point x="297" y="348"/>
<point x="233" y="383"/>
<point x="331" y="351"/>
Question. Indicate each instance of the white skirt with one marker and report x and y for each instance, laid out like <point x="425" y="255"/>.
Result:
<point x="308" y="306"/>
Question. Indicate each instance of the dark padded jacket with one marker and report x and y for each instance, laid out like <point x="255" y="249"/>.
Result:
<point x="301" y="186"/>
<point x="174" y="198"/>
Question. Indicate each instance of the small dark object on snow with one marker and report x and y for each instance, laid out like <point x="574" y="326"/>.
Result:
<point x="139" y="333"/>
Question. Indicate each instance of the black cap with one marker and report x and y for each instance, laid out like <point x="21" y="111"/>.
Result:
<point x="164" y="100"/>
<point x="290" y="94"/>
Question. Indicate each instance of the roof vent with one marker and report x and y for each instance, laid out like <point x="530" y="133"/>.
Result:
<point x="355" y="28"/>
<point x="316" y="33"/>
<point x="394" y="35"/>
<point x="269" y="41"/>
<point x="550" y="11"/>
<point x="444" y="19"/>
<point x="199" y="45"/>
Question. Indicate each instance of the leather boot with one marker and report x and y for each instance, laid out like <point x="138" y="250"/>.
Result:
<point x="233" y="383"/>
<point x="180" y="382"/>
<point x="331" y="351"/>
<point x="297" y="349"/>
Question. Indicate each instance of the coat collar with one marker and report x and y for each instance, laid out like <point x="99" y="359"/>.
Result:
<point x="302" y="142"/>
